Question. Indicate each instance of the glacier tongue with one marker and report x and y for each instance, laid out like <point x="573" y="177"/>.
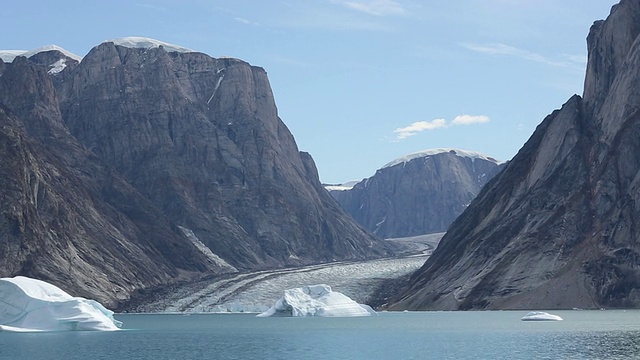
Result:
<point x="316" y="300"/>
<point x="33" y="305"/>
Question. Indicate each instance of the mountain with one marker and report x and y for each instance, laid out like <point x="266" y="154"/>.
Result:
<point x="144" y="164"/>
<point x="420" y="193"/>
<point x="559" y="226"/>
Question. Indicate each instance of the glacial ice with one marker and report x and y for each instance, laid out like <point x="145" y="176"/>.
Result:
<point x="9" y="55"/>
<point x="147" y="43"/>
<point x="316" y="300"/>
<point x="540" y="316"/>
<point x="459" y="152"/>
<point x="30" y="305"/>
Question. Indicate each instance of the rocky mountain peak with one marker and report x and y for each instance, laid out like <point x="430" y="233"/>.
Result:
<point x="10" y="55"/>
<point x="153" y="165"/>
<point x="139" y="42"/>
<point x="431" y="152"/>
<point x="609" y="44"/>
<point x="419" y="193"/>
<point x="557" y="228"/>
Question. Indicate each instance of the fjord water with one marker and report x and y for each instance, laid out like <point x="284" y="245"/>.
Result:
<point x="413" y="335"/>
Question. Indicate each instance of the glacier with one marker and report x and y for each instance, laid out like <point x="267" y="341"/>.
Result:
<point x="31" y="305"/>
<point x="316" y="300"/>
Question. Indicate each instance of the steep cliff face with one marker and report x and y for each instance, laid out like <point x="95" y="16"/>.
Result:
<point x="170" y="165"/>
<point x="558" y="228"/>
<point x="66" y="218"/>
<point x="201" y="139"/>
<point x="420" y="194"/>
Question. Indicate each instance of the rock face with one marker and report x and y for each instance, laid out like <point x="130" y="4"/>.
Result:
<point x="137" y="167"/>
<point x="419" y="194"/>
<point x="559" y="227"/>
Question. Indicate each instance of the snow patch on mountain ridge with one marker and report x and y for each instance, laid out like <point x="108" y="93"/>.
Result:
<point x="458" y="152"/>
<point x="10" y="55"/>
<point x="148" y="43"/>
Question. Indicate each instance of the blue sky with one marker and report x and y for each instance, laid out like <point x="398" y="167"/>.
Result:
<point x="362" y="82"/>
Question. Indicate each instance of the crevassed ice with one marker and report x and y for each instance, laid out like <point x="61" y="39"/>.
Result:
<point x="31" y="305"/>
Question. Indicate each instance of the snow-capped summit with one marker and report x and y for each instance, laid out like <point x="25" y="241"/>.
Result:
<point x="148" y="43"/>
<point x="10" y="55"/>
<point x="431" y="152"/>
<point x="419" y="193"/>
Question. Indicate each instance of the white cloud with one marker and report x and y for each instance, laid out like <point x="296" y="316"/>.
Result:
<point x="374" y="7"/>
<point x="420" y="126"/>
<point x="469" y="119"/>
<point x="507" y="50"/>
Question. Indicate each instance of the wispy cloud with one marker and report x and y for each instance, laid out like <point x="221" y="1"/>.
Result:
<point x="374" y="7"/>
<point x="469" y="119"/>
<point x="246" y="21"/>
<point x="507" y="50"/>
<point x="420" y="126"/>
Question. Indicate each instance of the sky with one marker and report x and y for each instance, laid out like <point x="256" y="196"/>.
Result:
<point x="360" y="83"/>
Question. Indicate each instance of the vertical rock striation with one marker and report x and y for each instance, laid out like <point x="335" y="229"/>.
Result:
<point x="138" y="167"/>
<point x="558" y="228"/>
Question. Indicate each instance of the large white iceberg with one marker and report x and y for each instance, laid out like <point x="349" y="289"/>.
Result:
<point x="540" y="316"/>
<point x="316" y="300"/>
<point x="28" y="305"/>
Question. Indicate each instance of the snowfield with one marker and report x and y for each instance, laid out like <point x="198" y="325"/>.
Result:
<point x="256" y="292"/>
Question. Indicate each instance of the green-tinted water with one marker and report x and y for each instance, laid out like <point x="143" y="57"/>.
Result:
<point x="427" y="335"/>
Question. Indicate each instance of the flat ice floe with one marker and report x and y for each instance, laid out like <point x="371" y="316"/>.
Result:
<point x="316" y="300"/>
<point x="540" y="316"/>
<point x="30" y="305"/>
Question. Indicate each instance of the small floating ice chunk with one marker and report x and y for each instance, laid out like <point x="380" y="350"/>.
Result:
<point x="30" y="305"/>
<point x="540" y="316"/>
<point x="316" y="300"/>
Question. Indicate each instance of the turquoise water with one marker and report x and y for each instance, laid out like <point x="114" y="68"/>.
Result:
<point x="423" y="335"/>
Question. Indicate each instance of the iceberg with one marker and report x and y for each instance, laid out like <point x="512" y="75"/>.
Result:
<point x="30" y="305"/>
<point x="316" y="300"/>
<point x="540" y="316"/>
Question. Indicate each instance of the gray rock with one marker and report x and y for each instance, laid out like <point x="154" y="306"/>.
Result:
<point x="152" y="167"/>
<point x="558" y="228"/>
<point x="68" y="219"/>
<point x="420" y="195"/>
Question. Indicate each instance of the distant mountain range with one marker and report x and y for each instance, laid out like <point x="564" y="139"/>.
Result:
<point x="143" y="164"/>
<point x="559" y="227"/>
<point x="417" y="194"/>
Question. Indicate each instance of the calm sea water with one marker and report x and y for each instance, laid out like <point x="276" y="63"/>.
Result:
<point x="415" y="335"/>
